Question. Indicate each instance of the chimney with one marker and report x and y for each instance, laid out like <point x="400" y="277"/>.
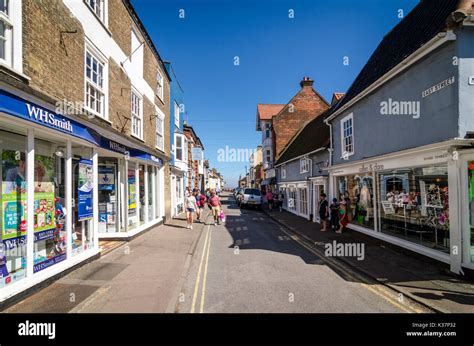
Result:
<point x="306" y="82"/>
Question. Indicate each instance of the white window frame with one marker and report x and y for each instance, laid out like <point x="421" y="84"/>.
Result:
<point x="12" y="37"/>
<point x="103" y="90"/>
<point x="102" y="8"/>
<point x="283" y="172"/>
<point x="176" y="114"/>
<point x="136" y="114"/>
<point x="344" y="152"/>
<point x="268" y="133"/>
<point x="160" y="85"/>
<point x="160" y="118"/>
<point x="176" y="147"/>
<point x="304" y="165"/>
<point x="268" y="155"/>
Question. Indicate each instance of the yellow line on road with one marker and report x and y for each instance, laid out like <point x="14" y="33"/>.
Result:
<point x="364" y="283"/>
<point x="198" y="278"/>
<point x="204" y="278"/>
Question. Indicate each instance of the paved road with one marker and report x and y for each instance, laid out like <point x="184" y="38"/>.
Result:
<point x="252" y="264"/>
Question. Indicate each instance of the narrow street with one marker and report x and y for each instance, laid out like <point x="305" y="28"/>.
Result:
<point x="252" y="264"/>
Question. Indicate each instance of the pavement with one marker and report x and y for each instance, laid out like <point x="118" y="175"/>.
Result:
<point x="417" y="277"/>
<point x="143" y="275"/>
<point x="252" y="264"/>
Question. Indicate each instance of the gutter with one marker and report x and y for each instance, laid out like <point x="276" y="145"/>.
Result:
<point x="433" y="44"/>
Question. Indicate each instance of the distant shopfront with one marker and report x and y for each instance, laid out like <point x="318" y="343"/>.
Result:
<point x="56" y="188"/>
<point x="413" y="199"/>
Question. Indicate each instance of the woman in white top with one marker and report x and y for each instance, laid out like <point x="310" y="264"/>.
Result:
<point x="191" y="207"/>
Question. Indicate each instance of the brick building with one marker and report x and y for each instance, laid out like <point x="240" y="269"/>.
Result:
<point x="84" y="96"/>
<point x="196" y="161"/>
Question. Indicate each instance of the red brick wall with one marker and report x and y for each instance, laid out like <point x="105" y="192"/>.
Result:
<point x="307" y="105"/>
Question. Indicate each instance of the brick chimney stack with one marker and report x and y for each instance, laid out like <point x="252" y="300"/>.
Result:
<point x="306" y="82"/>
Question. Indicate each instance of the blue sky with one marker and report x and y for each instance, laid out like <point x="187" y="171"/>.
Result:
<point x="275" y="52"/>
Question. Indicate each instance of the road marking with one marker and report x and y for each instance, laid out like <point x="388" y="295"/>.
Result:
<point x="198" y="278"/>
<point x="352" y="276"/>
<point x="204" y="278"/>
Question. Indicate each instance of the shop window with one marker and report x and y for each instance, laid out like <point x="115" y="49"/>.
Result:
<point x="303" y="201"/>
<point x="160" y="143"/>
<point x="82" y="202"/>
<point x="292" y="199"/>
<point x="470" y="172"/>
<point x="108" y="186"/>
<point x="6" y="27"/>
<point x="95" y="85"/>
<point x="151" y="192"/>
<point x="357" y="191"/>
<point x="304" y="165"/>
<point x="13" y="199"/>
<point x="414" y="205"/>
<point x="179" y="147"/>
<point x="49" y="204"/>
<point x="137" y="115"/>
<point x="132" y="197"/>
<point x="347" y="135"/>
<point x="160" y="85"/>
<point x="141" y="189"/>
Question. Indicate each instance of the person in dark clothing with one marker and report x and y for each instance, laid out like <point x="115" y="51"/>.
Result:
<point x="323" y="212"/>
<point x="334" y="214"/>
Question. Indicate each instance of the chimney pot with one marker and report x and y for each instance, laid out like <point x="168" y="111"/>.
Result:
<point x="306" y="82"/>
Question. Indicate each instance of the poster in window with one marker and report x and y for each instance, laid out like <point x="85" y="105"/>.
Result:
<point x="132" y="204"/>
<point x="106" y="178"/>
<point x="85" y="191"/>
<point x="44" y="206"/>
<point x="13" y="194"/>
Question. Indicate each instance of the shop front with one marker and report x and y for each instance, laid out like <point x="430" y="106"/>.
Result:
<point x="48" y="201"/>
<point x="130" y="190"/>
<point x="413" y="199"/>
<point x="297" y="197"/>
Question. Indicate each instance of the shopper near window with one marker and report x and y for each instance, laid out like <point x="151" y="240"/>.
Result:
<point x="323" y="212"/>
<point x="343" y="216"/>
<point x="191" y="207"/>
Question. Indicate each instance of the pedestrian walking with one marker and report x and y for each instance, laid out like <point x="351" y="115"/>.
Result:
<point x="270" y="199"/>
<point x="201" y="202"/>
<point x="281" y="199"/>
<point x="334" y="207"/>
<point x="323" y="212"/>
<point x="343" y="216"/>
<point x="214" y="203"/>
<point x="191" y="207"/>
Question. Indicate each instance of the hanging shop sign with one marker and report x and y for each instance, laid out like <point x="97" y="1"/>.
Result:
<point x="85" y="190"/>
<point x="197" y="154"/>
<point x="29" y="111"/>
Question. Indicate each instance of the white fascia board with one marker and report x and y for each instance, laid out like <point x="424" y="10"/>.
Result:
<point x="104" y="42"/>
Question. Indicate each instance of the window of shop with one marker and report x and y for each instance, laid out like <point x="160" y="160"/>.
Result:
<point x="108" y="186"/>
<point x="137" y="115"/>
<point x="470" y="172"/>
<point x="179" y="147"/>
<point x="292" y="199"/>
<point x="159" y="87"/>
<point x="358" y="192"/>
<point x="132" y="196"/>
<point x="151" y="192"/>
<point x="83" y="195"/>
<point x="5" y="32"/>
<point x="414" y="205"/>
<point x="303" y="201"/>
<point x="347" y="135"/>
<point x="160" y="143"/>
<point x="49" y="203"/>
<point x="142" y="192"/>
<point x="95" y="93"/>
<point x="13" y="200"/>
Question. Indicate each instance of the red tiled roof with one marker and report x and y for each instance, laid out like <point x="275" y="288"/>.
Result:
<point x="268" y="111"/>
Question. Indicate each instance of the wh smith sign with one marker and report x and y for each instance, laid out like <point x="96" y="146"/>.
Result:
<point x="17" y="107"/>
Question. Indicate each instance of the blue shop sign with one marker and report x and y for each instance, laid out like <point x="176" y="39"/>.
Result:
<point x="29" y="111"/>
<point x="131" y="152"/>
